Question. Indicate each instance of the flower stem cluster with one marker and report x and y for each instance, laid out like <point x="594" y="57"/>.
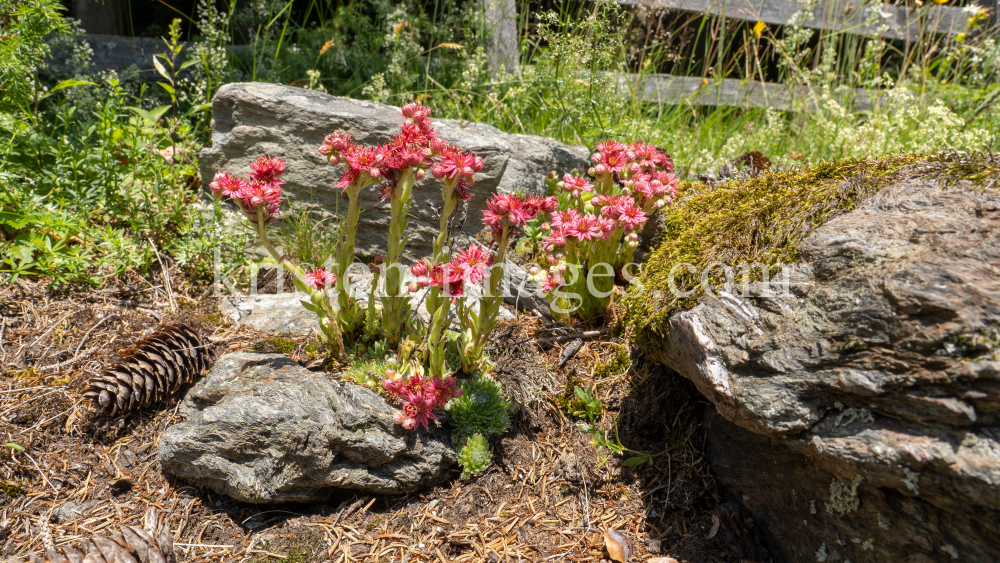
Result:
<point x="593" y="233"/>
<point x="392" y="169"/>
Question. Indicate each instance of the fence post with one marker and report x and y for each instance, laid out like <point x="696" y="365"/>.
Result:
<point x="501" y="28"/>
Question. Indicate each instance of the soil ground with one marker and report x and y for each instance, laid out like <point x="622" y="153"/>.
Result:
<point x="546" y="497"/>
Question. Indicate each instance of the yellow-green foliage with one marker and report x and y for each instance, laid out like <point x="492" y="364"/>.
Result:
<point x="279" y="344"/>
<point x="755" y="220"/>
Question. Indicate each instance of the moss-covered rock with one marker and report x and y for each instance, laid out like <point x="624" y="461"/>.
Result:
<point x="761" y="220"/>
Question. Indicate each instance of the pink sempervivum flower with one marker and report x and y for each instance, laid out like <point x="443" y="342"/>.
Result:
<point x="267" y="170"/>
<point x="586" y="228"/>
<point x="449" y="279"/>
<point x="226" y="184"/>
<point x="573" y="183"/>
<point x="415" y="112"/>
<point x="552" y="283"/>
<point x="556" y="239"/>
<point x="473" y="263"/>
<point x="565" y="218"/>
<point x="457" y="163"/>
<point x="443" y="390"/>
<point x="549" y="205"/>
<point x="395" y="387"/>
<point x="335" y="145"/>
<point x="320" y="278"/>
<point x="417" y="411"/>
<point x="631" y="217"/>
<point x="612" y="157"/>
<point x="506" y="210"/>
<point x="422" y="270"/>
<point x="648" y="157"/>
<point x="607" y="226"/>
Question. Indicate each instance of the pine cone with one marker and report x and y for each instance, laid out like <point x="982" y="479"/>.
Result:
<point x="150" y="370"/>
<point x="150" y="544"/>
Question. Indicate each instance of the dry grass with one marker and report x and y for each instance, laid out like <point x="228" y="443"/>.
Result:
<point x="543" y="499"/>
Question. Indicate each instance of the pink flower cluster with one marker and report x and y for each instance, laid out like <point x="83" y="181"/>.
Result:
<point x="510" y="211"/>
<point x="262" y="191"/>
<point x="419" y="397"/>
<point x="415" y="146"/>
<point x="468" y="267"/>
<point x="320" y="278"/>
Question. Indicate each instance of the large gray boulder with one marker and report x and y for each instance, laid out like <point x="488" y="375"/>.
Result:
<point x="859" y="411"/>
<point x="260" y="428"/>
<point x="250" y="119"/>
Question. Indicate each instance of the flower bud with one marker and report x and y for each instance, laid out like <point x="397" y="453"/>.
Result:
<point x="398" y="418"/>
<point x="533" y="270"/>
<point x="390" y="374"/>
<point x="413" y="287"/>
<point x="659" y="203"/>
<point x="626" y="192"/>
<point x="420" y="174"/>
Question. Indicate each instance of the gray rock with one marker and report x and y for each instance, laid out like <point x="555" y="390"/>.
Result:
<point x="861" y="407"/>
<point x="525" y="295"/>
<point x="72" y="511"/>
<point x="250" y="119"/>
<point x="262" y="429"/>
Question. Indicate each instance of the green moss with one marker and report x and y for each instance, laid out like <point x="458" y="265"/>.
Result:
<point x="980" y="168"/>
<point x="299" y="548"/>
<point x="853" y="346"/>
<point x="279" y="344"/>
<point x="758" y="220"/>
<point x="12" y="489"/>
<point x="615" y="366"/>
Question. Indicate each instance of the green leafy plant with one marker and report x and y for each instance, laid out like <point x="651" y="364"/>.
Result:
<point x="474" y="456"/>
<point x="588" y="406"/>
<point x="481" y="409"/>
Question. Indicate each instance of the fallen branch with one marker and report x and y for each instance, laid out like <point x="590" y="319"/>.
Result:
<point x="585" y="334"/>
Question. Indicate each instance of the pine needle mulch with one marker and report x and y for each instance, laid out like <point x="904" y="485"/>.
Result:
<point x="546" y="497"/>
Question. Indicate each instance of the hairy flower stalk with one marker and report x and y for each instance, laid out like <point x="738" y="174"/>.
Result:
<point x="364" y="167"/>
<point x="456" y="171"/>
<point x="395" y="303"/>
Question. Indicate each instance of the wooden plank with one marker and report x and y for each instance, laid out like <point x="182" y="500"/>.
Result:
<point x="834" y="15"/>
<point x="675" y="90"/>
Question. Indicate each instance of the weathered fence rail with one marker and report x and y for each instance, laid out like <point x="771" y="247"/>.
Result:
<point x="668" y="89"/>
<point x="850" y="16"/>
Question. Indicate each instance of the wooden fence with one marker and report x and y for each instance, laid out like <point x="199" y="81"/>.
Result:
<point x="841" y="16"/>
